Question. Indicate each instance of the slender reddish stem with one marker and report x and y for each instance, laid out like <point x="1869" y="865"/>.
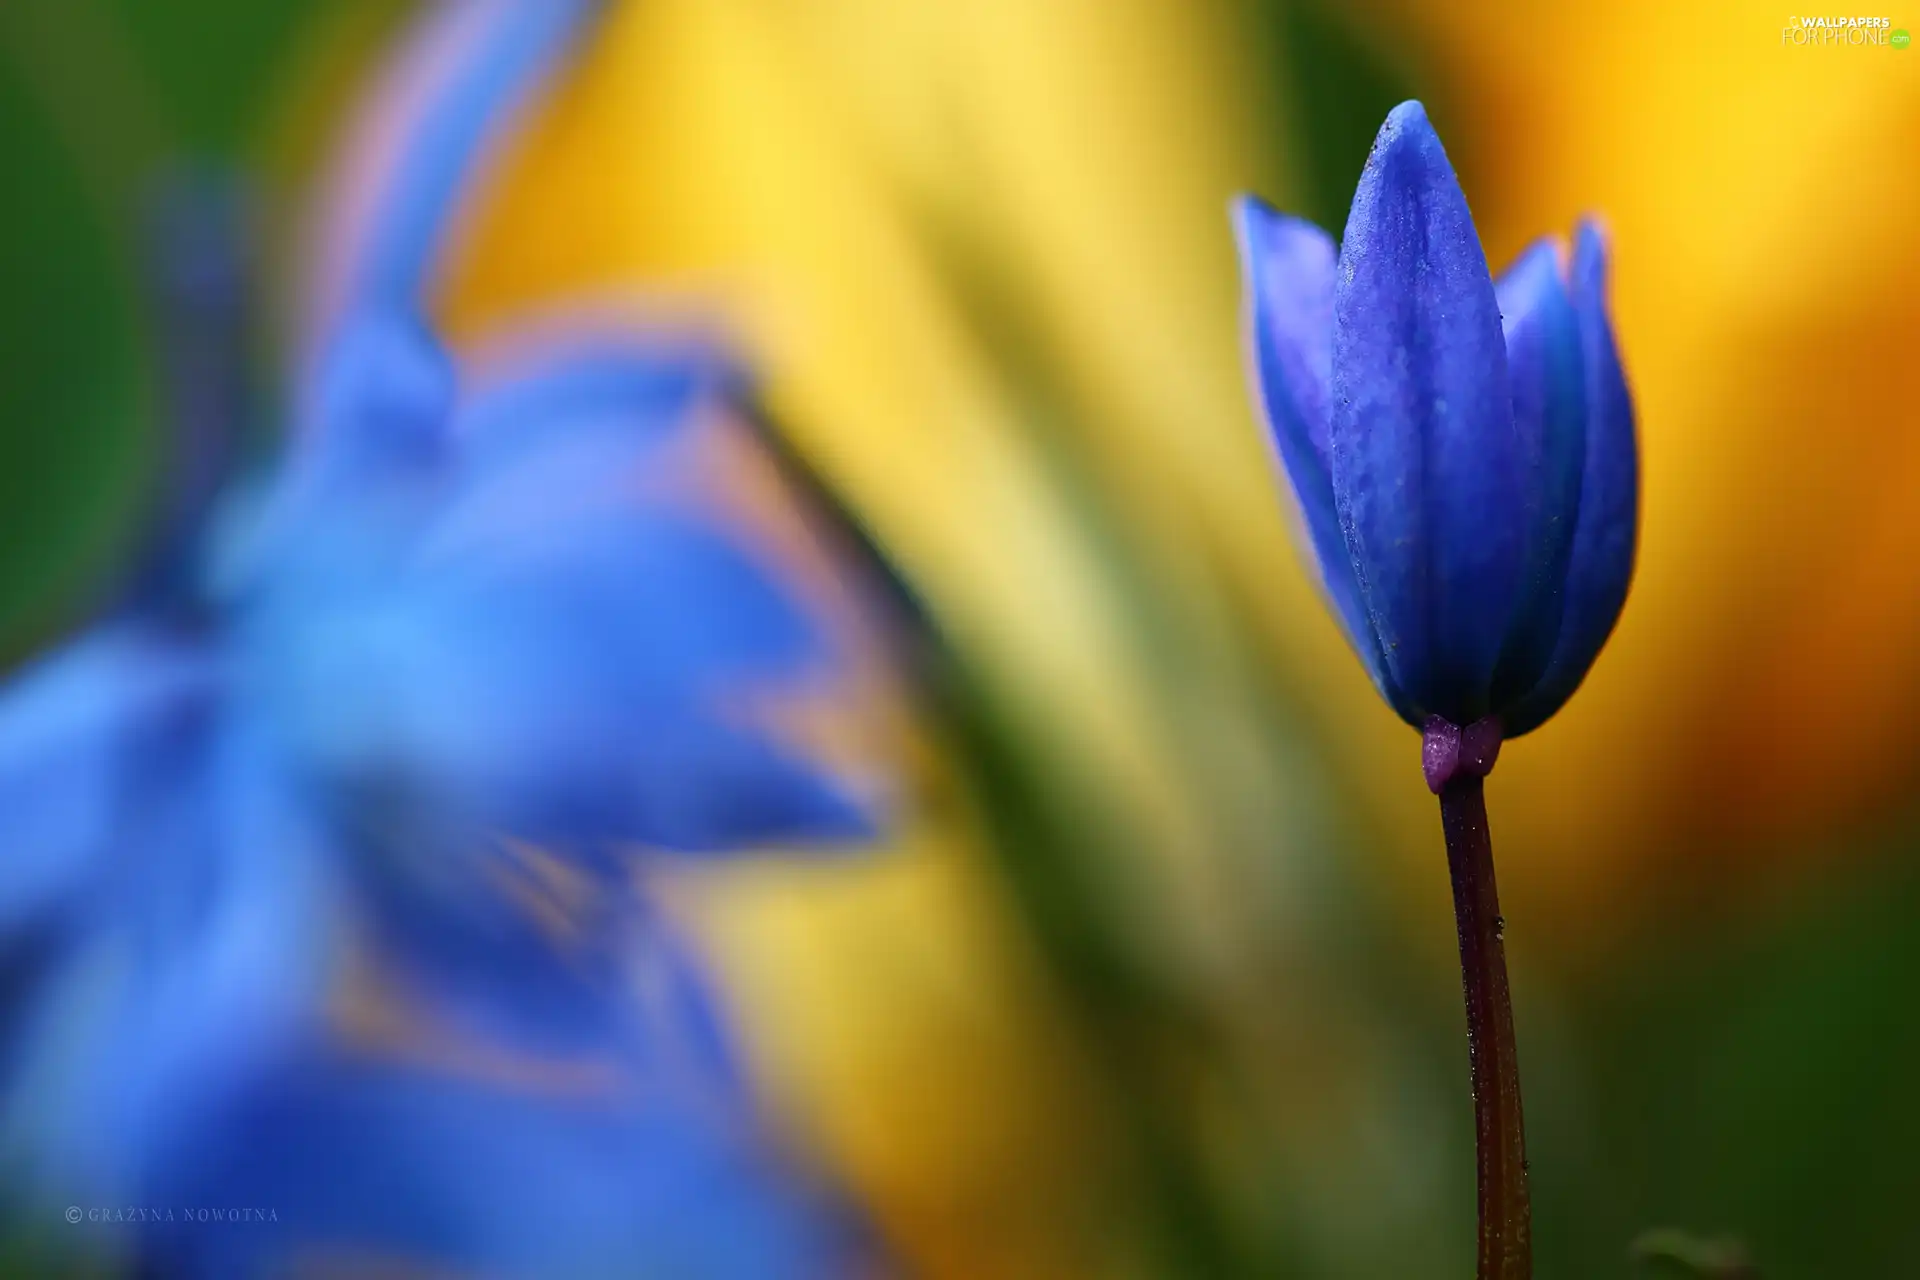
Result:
<point x="1506" y="1230"/>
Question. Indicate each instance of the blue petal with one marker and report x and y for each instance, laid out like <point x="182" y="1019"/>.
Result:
<point x="374" y="447"/>
<point x="512" y="953"/>
<point x="538" y="386"/>
<point x="446" y="102"/>
<point x="591" y="390"/>
<point x="1601" y="564"/>
<point x="1550" y="415"/>
<point x="571" y="527"/>
<point x="524" y="675"/>
<point x="509" y="947"/>
<point x="1288" y="265"/>
<point x="682" y="608"/>
<point x="384" y="396"/>
<point x="80" y="733"/>
<point x="704" y="786"/>
<point x="1427" y="470"/>
<point x="202" y="960"/>
<point x="498" y="957"/>
<point x="367" y="1161"/>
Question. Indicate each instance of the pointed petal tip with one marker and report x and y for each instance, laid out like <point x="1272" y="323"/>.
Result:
<point x="1408" y="120"/>
<point x="388" y="368"/>
<point x="1407" y="154"/>
<point x="1253" y="223"/>
<point x="1549" y="254"/>
<point x="1243" y="211"/>
<point x="1411" y="110"/>
<point x="1592" y="252"/>
<point x="1541" y="275"/>
<point x="1408" y="157"/>
<point x="1265" y="233"/>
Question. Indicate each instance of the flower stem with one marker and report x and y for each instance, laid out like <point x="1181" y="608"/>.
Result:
<point x="1506" y="1231"/>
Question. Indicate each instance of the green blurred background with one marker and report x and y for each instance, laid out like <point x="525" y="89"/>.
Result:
<point x="1158" y="978"/>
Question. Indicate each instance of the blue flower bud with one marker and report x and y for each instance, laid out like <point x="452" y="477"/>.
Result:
<point x="1461" y="450"/>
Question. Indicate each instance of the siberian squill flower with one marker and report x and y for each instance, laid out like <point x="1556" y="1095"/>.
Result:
<point x="319" y="910"/>
<point x="1461" y="454"/>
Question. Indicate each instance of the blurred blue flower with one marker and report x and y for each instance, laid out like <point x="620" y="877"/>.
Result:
<point x="1461" y="451"/>
<point x="320" y="900"/>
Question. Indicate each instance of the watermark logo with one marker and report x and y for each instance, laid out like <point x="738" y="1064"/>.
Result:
<point x="1823" y="32"/>
<point x="169" y="1213"/>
